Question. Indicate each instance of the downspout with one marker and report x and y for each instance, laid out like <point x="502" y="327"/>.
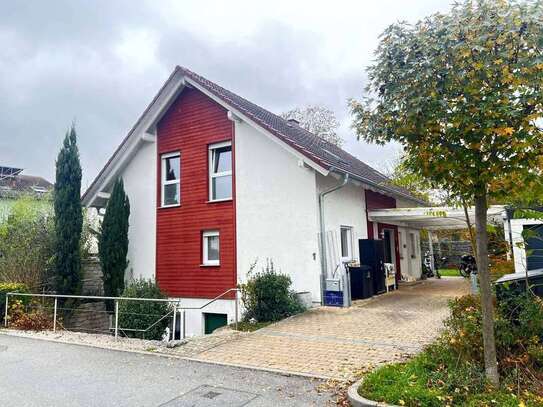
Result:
<point x="322" y="229"/>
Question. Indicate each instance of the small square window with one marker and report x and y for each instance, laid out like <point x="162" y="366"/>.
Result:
<point x="220" y="171"/>
<point x="171" y="179"/>
<point x="211" y="248"/>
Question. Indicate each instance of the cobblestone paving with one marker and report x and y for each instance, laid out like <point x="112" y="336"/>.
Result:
<point x="334" y="342"/>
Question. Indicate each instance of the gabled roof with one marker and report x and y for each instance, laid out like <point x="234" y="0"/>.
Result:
<point x="324" y="154"/>
<point x="17" y="185"/>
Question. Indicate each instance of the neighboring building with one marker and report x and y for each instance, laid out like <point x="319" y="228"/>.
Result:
<point x="215" y="182"/>
<point x="14" y="185"/>
<point x="527" y="255"/>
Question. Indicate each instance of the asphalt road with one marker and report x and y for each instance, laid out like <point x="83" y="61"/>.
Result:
<point x="40" y="373"/>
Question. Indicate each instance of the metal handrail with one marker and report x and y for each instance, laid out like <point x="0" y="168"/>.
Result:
<point x="117" y="299"/>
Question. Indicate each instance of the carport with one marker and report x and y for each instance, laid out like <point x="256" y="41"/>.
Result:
<point x="433" y="218"/>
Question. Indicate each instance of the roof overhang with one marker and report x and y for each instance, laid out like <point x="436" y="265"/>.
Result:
<point x="144" y="131"/>
<point x="433" y="218"/>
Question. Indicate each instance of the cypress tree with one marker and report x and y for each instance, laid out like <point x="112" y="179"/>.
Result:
<point x="113" y="242"/>
<point x="68" y="216"/>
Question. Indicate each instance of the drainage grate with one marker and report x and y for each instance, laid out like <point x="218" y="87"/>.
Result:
<point x="207" y="396"/>
<point x="211" y="395"/>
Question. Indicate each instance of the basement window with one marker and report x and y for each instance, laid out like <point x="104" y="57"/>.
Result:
<point x="220" y="171"/>
<point x="171" y="179"/>
<point x="210" y="248"/>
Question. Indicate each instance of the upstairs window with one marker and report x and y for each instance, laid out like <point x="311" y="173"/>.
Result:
<point x="220" y="171"/>
<point x="346" y="243"/>
<point x="211" y="248"/>
<point x="171" y="179"/>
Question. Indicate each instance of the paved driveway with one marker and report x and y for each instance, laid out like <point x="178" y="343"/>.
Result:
<point x="41" y="373"/>
<point x="334" y="342"/>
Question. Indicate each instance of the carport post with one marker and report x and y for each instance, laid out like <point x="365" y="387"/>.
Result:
<point x="6" y="311"/>
<point x="116" y="319"/>
<point x="55" y="315"/>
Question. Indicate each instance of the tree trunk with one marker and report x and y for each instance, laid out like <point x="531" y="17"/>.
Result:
<point x="489" y="343"/>
<point x="470" y="229"/>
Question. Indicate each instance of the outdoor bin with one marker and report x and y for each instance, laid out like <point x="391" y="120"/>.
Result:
<point x="361" y="282"/>
<point x="515" y="284"/>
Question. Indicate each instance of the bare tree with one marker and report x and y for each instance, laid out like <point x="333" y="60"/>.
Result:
<point x="319" y="120"/>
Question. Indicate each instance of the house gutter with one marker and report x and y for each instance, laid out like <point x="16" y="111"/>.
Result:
<point x="322" y="229"/>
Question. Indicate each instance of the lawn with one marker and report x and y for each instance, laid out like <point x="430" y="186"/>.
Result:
<point x="430" y="382"/>
<point x="449" y="272"/>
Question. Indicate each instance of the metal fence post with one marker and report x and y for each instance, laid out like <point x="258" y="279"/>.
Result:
<point x="55" y="315"/>
<point x="236" y="308"/>
<point x="174" y="321"/>
<point x="183" y="324"/>
<point x="116" y="319"/>
<point x="6" y="311"/>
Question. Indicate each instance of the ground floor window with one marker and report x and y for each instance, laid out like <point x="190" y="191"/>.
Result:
<point x="211" y="248"/>
<point x="413" y="242"/>
<point x="346" y="243"/>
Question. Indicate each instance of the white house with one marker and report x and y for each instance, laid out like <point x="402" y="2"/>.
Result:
<point x="216" y="182"/>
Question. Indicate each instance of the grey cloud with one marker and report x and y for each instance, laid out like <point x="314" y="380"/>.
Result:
<point x="59" y="63"/>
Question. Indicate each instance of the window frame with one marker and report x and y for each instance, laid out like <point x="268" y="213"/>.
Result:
<point x="206" y="234"/>
<point x="212" y="175"/>
<point x="349" y="229"/>
<point x="164" y="182"/>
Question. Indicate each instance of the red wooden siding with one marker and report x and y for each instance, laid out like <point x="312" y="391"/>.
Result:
<point x="375" y="200"/>
<point x="192" y="123"/>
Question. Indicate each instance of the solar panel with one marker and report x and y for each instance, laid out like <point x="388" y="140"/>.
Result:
<point x="9" y="172"/>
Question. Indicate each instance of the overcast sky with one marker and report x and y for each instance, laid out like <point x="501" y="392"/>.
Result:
<point x="101" y="62"/>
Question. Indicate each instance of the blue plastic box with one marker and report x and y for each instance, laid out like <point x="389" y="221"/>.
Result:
<point x="333" y="298"/>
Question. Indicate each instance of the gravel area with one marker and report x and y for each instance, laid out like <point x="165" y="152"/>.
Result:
<point x="190" y="348"/>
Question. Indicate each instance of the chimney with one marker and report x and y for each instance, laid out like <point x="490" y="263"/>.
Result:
<point x="293" y="121"/>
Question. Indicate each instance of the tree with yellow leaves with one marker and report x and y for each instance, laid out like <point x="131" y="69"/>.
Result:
<point x="462" y="92"/>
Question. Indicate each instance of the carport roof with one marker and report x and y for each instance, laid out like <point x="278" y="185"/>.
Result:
<point x="433" y="218"/>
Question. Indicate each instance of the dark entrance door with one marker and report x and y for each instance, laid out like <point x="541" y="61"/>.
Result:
<point x="534" y="247"/>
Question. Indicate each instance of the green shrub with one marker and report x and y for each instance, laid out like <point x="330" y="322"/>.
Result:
<point x="27" y="243"/>
<point x="451" y="370"/>
<point x="11" y="288"/>
<point x="267" y="295"/>
<point x="143" y="314"/>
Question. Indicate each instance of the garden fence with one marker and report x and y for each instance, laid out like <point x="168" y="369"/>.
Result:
<point x="87" y="313"/>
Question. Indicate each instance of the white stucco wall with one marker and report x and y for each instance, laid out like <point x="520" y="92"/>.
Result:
<point x="519" y="253"/>
<point x="344" y="207"/>
<point x="276" y="212"/>
<point x="139" y="178"/>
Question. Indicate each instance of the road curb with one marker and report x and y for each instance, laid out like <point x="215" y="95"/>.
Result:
<point x="358" y="401"/>
<point x="187" y="358"/>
